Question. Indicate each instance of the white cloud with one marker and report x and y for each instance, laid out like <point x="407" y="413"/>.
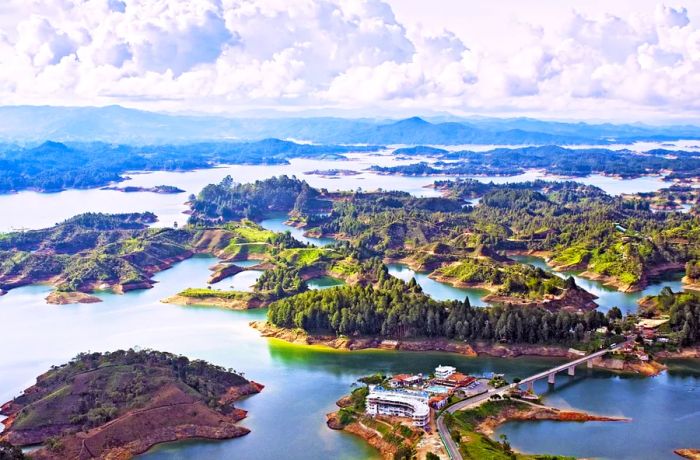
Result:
<point x="228" y="54"/>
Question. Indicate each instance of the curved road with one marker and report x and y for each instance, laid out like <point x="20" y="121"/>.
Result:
<point x="452" y="447"/>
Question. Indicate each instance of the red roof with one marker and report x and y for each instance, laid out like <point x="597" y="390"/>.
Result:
<point x="458" y="377"/>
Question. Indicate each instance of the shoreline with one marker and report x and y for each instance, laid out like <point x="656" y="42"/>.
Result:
<point x="350" y="344"/>
<point x="215" y="302"/>
<point x="371" y="437"/>
<point x="512" y="410"/>
<point x="347" y="344"/>
<point x="610" y="281"/>
<point x="489" y="425"/>
<point x="68" y="298"/>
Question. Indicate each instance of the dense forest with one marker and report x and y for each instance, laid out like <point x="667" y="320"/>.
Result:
<point x="54" y="166"/>
<point x="513" y="280"/>
<point x="582" y="226"/>
<point x="620" y="238"/>
<point x="228" y="201"/>
<point x="280" y="282"/>
<point x="393" y="308"/>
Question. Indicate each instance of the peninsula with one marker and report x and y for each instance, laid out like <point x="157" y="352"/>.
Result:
<point x="120" y="404"/>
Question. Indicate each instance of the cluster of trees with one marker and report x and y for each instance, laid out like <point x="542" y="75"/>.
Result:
<point x="228" y="201"/>
<point x="285" y="240"/>
<point x="393" y="308"/>
<point x="113" y="382"/>
<point x="377" y="222"/>
<point x="280" y="282"/>
<point x="683" y="309"/>
<point x="512" y="279"/>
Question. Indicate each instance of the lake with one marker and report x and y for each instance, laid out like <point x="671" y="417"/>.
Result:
<point x="302" y="384"/>
<point x="39" y="210"/>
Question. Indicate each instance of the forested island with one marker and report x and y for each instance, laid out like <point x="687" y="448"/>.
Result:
<point x="55" y="166"/>
<point x="120" y="404"/>
<point x="552" y="159"/>
<point x="120" y="252"/>
<point x="578" y="227"/>
<point x="392" y="308"/>
<point x="162" y="189"/>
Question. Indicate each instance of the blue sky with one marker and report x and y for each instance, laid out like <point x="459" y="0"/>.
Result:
<point x="621" y="60"/>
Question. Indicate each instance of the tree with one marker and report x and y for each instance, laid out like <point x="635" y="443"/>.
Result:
<point x="404" y="453"/>
<point x="10" y="452"/>
<point x="614" y="313"/>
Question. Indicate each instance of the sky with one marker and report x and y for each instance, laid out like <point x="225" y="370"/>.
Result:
<point x="617" y="60"/>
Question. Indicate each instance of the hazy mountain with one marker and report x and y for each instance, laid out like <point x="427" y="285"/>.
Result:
<point x="34" y="124"/>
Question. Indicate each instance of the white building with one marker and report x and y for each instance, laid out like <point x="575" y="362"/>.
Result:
<point x="442" y="372"/>
<point x="409" y="404"/>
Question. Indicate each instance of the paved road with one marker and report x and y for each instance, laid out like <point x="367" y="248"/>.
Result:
<point x="450" y="444"/>
<point x="452" y="447"/>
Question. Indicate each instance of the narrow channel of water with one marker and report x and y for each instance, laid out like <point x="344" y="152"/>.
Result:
<point x="437" y="290"/>
<point x="277" y="224"/>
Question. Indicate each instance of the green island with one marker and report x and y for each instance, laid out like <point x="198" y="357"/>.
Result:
<point x="616" y="240"/>
<point x="553" y="159"/>
<point x="54" y="166"/>
<point x="532" y="311"/>
<point x="119" y="404"/>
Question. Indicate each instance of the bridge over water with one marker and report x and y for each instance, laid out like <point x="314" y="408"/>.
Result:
<point x="549" y="374"/>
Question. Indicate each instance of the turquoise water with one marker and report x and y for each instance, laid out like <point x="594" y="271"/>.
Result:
<point x="608" y="297"/>
<point x="246" y="263"/>
<point x="435" y="289"/>
<point x="665" y="413"/>
<point x="288" y="418"/>
<point x="277" y="224"/>
<point x="324" y="282"/>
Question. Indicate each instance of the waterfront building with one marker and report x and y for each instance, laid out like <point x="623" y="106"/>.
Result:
<point x="405" y="380"/>
<point x="399" y="403"/>
<point x="442" y="372"/>
<point x="438" y="402"/>
<point x="455" y="380"/>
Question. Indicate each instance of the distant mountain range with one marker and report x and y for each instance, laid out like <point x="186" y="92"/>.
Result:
<point x="35" y="124"/>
